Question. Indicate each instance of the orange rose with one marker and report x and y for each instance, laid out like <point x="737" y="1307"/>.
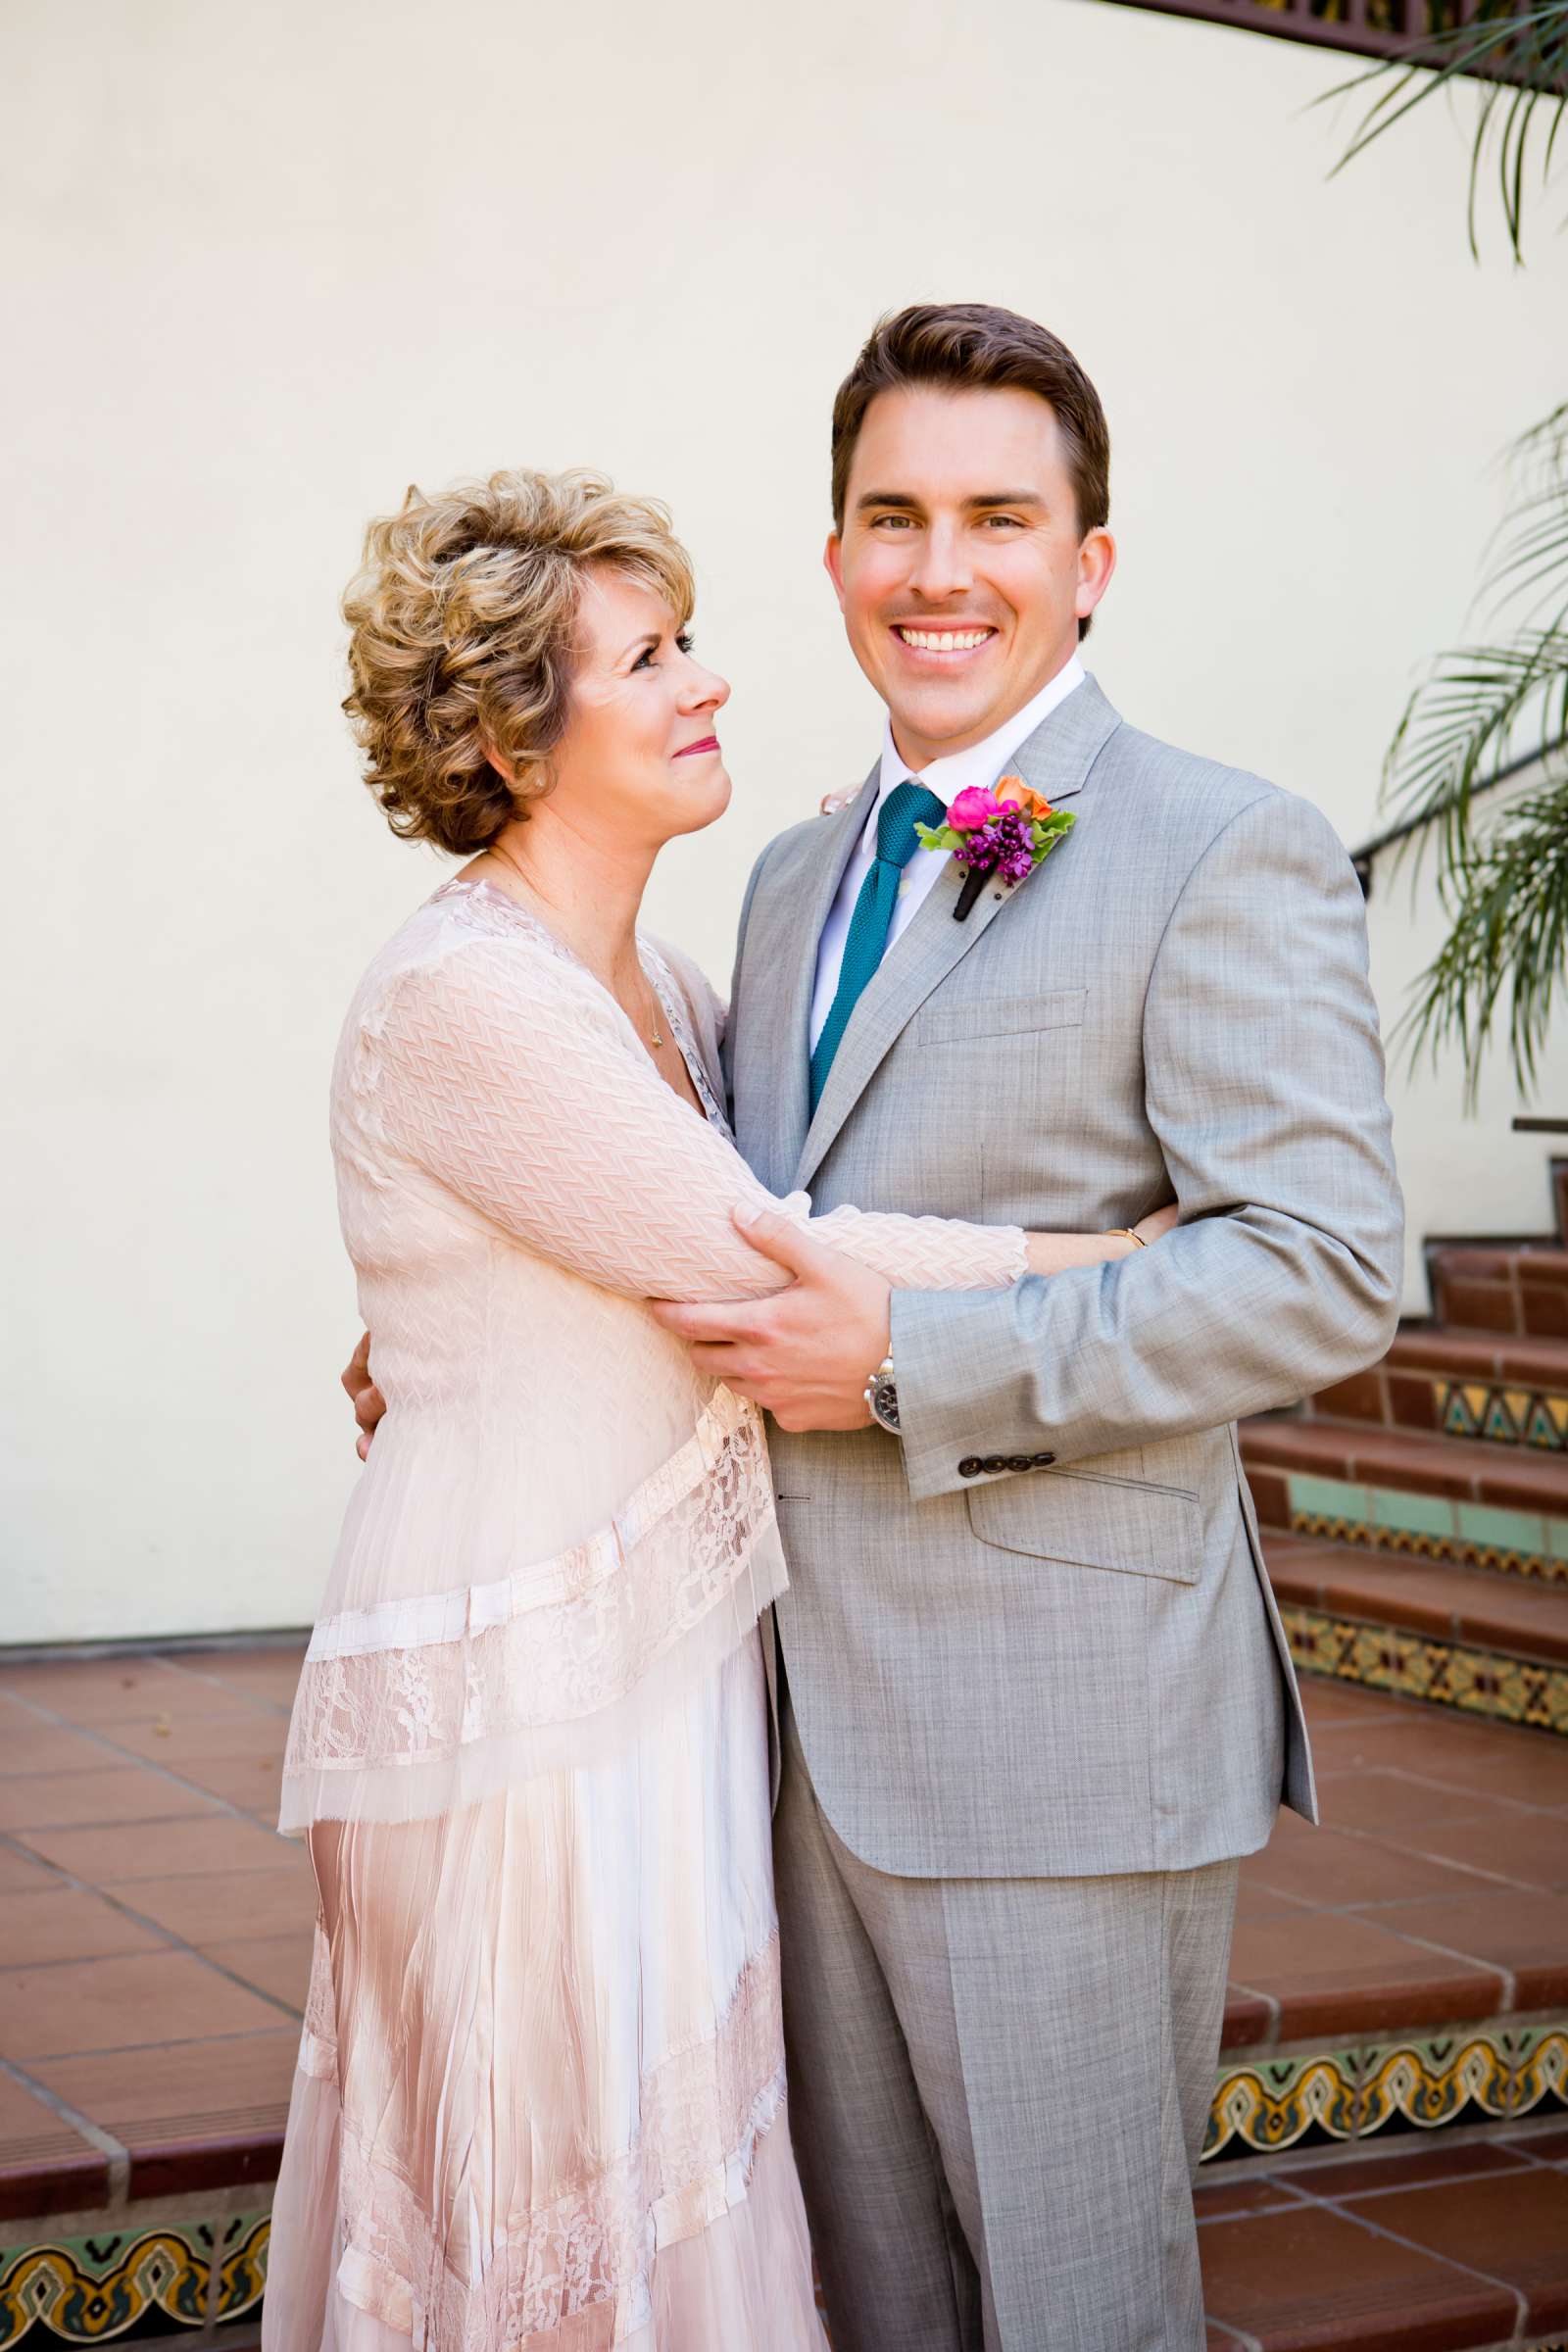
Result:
<point x="1031" y="804"/>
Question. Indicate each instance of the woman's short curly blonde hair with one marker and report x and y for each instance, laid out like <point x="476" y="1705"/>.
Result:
<point x="463" y="639"/>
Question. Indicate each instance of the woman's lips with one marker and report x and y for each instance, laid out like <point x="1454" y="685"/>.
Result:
<point x="710" y="743"/>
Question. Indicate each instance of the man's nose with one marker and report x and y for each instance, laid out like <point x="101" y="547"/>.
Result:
<point x="942" y="568"/>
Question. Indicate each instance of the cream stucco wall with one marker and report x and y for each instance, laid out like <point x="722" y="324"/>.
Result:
<point x="267" y="264"/>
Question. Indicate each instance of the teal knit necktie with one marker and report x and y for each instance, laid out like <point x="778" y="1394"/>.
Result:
<point x="866" y="941"/>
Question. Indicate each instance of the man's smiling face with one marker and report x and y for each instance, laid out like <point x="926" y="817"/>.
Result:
<point x="960" y="568"/>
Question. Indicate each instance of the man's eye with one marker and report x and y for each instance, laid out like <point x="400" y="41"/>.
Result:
<point x="1007" y="522"/>
<point x="894" y="522"/>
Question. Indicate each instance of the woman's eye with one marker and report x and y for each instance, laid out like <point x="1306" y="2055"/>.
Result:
<point x="646" y="659"/>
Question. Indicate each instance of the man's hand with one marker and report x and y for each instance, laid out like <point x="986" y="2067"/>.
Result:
<point x="808" y="1352"/>
<point x="366" y="1397"/>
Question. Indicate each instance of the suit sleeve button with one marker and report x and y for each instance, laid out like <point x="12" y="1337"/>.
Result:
<point x="970" y="1467"/>
<point x="993" y="1461"/>
<point x="1019" y="1461"/>
<point x="1042" y="1462"/>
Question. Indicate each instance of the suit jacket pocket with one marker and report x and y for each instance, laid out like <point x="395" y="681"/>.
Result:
<point x="999" y="1016"/>
<point x="1118" y="1523"/>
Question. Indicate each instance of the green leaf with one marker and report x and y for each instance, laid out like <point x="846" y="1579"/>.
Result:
<point x="1503" y="967"/>
<point x="1506" y="46"/>
<point x="938" y="837"/>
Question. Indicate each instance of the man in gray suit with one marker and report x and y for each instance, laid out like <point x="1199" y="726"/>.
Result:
<point x="1034" y="1695"/>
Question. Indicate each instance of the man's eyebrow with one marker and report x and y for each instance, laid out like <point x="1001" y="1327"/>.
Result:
<point x="901" y="501"/>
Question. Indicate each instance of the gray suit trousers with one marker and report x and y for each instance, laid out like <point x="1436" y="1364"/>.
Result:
<point x="998" y="2093"/>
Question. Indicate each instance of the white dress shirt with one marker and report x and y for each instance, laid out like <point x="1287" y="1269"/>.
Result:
<point x="982" y="764"/>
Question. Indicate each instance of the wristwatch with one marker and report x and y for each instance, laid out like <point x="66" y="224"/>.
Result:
<point x="882" y="1396"/>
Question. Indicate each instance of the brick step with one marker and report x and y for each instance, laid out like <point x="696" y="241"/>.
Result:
<point x="1403" y="1492"/>
<point x="1461" y="1384"/>
<point x="1519" y="1287"/>
<point x="1403" y="2252"/>
<point x="1399" y="1984"/>
<point x="1517" y="1617"/>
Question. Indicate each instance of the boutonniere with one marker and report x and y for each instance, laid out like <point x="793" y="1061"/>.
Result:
<point x="1005" y="831"/>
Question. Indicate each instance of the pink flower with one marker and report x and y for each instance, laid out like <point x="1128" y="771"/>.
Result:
<point x="971" y="808"/>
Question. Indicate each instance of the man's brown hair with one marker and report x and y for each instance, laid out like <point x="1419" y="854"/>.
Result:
<point x="969" y="347"/>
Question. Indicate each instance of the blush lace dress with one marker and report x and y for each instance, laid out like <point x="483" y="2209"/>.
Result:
<point x="539" y="2101"/>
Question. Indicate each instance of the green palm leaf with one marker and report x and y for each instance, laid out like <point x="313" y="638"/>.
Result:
<point x="1519" y="56"/>
<point x="1503" y="964"/>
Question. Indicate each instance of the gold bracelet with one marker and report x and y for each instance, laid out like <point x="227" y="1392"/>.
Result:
<point x="1131" y="1236"/>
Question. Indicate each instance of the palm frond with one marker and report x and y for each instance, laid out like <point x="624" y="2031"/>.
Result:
<point x="1504" y="963"/>
<point x="1488" y="704"/>
<point x="1485" y="706"/>
<point x="1530" y="549"/>
<point x="1518" y="51"/>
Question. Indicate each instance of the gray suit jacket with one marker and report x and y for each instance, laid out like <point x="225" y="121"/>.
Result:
<point x="1035" y="1636"/>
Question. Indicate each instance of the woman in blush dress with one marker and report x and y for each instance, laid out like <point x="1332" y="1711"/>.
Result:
<point x="540" y="2104"/>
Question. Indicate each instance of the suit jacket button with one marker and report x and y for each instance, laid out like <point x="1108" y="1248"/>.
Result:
<point x="1019" y="1461"/>
<point x="1042" y="1462"/>
<point x="970" y="1467"/>
<point x="993" y="1461"/>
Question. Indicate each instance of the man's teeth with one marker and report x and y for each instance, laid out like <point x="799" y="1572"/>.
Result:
<point x="945" y="641"/>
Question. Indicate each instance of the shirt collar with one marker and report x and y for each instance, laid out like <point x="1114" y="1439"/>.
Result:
<point x="983" y="763"/>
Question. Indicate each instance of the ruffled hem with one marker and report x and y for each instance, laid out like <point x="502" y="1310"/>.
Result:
<point x="741" y="2282"/>
<point x="693" y="2241"/>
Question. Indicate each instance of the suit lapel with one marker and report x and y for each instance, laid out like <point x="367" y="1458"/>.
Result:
<point x="1055" y="761"/>
<point x="782" y="939"/>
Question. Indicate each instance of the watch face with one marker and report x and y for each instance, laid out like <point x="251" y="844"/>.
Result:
<point x="885" y="1404"/>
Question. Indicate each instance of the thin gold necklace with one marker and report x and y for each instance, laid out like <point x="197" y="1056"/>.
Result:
<point x="656" y="1035"/>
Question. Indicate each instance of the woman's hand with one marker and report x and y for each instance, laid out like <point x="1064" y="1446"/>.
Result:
<point x="1055" y="1252"/>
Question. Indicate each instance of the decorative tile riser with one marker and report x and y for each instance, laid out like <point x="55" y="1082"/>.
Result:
<point x="1494" y="2073"/>
<point x="1430" y="1527"/>
<point x="123" y="2286"/>
<point x="1462" y="1554"/>
<point x="93" y="2291"/>
<point x="1445" y="1674"/>
<point x="1501" y="1415"/>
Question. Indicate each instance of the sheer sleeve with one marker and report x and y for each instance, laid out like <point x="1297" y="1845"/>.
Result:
<point x="518" y="1084"/>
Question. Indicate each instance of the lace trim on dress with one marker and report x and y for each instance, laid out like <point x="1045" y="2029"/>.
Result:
<point x="704" y="2111"/>
<point x="409" y="1688"/>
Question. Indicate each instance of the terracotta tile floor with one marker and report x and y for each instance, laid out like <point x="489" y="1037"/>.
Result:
<point x="154" y="1932"/>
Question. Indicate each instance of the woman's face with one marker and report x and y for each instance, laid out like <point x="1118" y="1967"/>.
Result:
<point x="640" y="757"/>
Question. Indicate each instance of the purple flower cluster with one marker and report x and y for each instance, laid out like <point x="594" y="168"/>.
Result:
<point x="1004" y="847"/>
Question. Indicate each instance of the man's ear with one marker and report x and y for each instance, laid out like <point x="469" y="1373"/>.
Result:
<point x="833" y="564"/>
<point x="1096" y="561"/>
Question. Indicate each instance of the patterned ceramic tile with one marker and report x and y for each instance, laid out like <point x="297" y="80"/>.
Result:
<point x="1445" y="1674"/>
<point x="1489" y="2074"/>
<point x="86" y="2290"/>
<point x="241" y="2265"/>
<point x="1430" y="1527"/>
<point x="1503" y="1415"/>
<point x="90" y="2290"/>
